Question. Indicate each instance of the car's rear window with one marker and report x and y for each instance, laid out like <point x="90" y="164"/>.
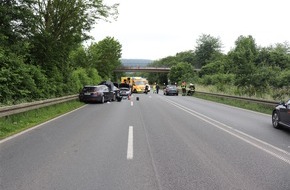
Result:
<point x="90" y="89"/>
<point x="172" y="87"/>
<point x="123" y="85"/>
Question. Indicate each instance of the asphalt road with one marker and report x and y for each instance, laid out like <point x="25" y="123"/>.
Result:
<point x="159" y="142"/>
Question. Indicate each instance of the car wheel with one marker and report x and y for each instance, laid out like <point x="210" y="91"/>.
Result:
<point x="114" y="97"/>
<point x="103" y="100"/>
<point x="275" y="120"/>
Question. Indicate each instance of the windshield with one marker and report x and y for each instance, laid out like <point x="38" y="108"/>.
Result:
<point x="139" y="83"/>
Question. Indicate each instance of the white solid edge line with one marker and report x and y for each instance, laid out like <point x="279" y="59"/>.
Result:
<point x="130" y="144"/>
<point x="228" y="130"/>
<point x="32" y="128"/>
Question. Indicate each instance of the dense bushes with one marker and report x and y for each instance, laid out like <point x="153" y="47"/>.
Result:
<point x="41" y="55"/>
<point x="83" y="76"/>
<point x="246" y="70"/>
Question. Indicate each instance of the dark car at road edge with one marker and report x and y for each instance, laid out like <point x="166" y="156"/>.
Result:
<point x="96" y="93"/>
<point x="170" y="90"/>
<point x="281" y="115"/>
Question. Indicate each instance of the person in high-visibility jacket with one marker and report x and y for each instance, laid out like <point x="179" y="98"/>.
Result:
<point x="183" y="88"/>
<point x="154" y="88"/>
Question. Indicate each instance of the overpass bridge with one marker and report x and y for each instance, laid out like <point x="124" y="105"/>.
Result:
<point x="143" y="69"/>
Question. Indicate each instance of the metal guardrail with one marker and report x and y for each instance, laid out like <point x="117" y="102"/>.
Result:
<point x="259" y="101"/>
<point x="10" y="110"/>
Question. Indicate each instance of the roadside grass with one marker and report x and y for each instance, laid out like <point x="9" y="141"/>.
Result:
<point x="10" y="125"/>
<point x="238" y="103"/>
<point x="233" y="90"/>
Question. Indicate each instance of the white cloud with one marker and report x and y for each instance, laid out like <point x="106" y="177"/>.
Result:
<point x="153" y="29"/>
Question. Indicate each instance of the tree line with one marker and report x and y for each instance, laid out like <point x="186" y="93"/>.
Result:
<point x="41" y="51"/>
<point x="247" y="69"/>
<point x="42" y="56"/>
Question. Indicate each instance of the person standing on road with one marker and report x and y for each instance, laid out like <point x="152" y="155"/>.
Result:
<point x="183" y="88"/>
<point x="157" y="88"/>
<point x="154" y="88"/>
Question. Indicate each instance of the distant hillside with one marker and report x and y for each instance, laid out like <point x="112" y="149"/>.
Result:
<point x="136" y="62"/>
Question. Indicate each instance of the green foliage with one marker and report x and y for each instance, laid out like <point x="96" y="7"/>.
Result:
<point x="207" y="49"/>
<point x="165" y="62"/>
<point x="41" y="55"/>
<point x="83" y="77"/>
<point x="19" y="81"/>
<point x="284" y="78"/>
<point x="16" y="19"/>
<point x="36" y="83"/>
<point x="246" y="70"/>
<point x="276" y="56"/>
<point x="282" y="89"/>
<point x="243" y="57"/>
<point x="40" y="47"/>
<point x="159" y="78"/>
<point x="181" y="72"/>
<point x="218" y="79"/>
<point x="170" y="61"/>
<point x="186" y="56"/>
<point x="214" y="67"/>
<point x="79" y="58"/>
<point x="105" y="56"/>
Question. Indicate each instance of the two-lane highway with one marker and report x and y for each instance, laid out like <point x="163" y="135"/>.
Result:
<point x="158" y="142"/>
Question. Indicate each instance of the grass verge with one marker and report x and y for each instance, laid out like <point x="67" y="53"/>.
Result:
<point x="238" y="103"/>
<point x="13" y="124"/>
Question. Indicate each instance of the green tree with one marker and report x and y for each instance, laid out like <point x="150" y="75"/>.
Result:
<point x="17" y="79"/>
<point x="165" y="62"/>
<point x="61" y="26"/>
<point x="105" y="56"/>
<point x="36" y="41"/>
<point x="275" y="56"/>
<point x="181" y="72"/>
<point x="243" y="57"/>
<point x="186" y="56"/>
<point x="79" y="58"/>
<point x="215" y="67"/>
<point x="282" y="90"/>
<point x="159" y="78"/>
<point x="81" y="77"/>
<point x="208" y="48"/>
<point x="170" y="61"/>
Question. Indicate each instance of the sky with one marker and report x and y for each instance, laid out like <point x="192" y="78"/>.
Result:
<point x="155" y="29"/>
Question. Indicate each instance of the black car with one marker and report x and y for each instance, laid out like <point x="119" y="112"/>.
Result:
<point x="170" y="90"/>
<point x="281" y="115"/>
<point x="99" y="93"/>
<point x="113" y="86"/>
